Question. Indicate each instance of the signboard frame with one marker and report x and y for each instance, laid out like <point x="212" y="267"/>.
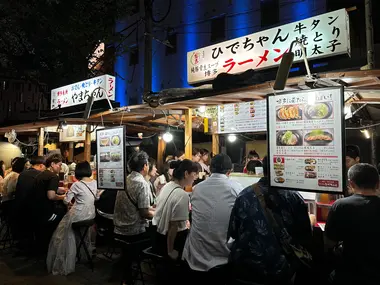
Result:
<point x="324" y="35"/>
<point x="124" y="160"/>
<point x="343" y="143"/>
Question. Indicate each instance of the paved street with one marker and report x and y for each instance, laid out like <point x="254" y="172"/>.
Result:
<point x="19" y="270"/>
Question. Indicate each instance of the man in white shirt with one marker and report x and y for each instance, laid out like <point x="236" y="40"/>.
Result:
<point x="206" y="248"/>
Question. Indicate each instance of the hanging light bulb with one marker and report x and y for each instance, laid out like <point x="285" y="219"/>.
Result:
<point x="64" y="125"/>
<point x="232" y="138"/>
<point x="167" y="137"/>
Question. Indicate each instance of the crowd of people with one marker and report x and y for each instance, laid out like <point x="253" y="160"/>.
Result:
<point x="219" y="234"/>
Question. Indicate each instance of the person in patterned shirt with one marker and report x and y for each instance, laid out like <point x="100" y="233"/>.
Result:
<point x="256" y="254"/>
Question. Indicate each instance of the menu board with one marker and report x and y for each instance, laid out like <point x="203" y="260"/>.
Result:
<point x="242" y="117"/>
<point x="306" y="137"/>
<point x="111" y="158"/>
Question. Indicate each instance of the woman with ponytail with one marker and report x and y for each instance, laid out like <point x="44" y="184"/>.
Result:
<point x="172" y="211"/>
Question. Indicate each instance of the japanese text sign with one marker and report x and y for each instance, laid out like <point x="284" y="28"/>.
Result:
<point x="306" y="140"/>
<point x="78" y="93"/>
<point x="323" y="36"/>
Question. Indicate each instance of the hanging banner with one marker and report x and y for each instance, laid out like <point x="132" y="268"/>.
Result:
<point x="306" y="140"/>
<point x="323" y="36"/>
<point x="78" y="93"/>
<point x="111" y="158"/>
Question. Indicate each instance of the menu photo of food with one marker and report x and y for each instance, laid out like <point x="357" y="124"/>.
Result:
<point x="115" y="140"/>
<point x="289" y="138"/>
<point x="319" y="137"/>
<point x="105" y="157"/>
<point x="279" y="166"/>
<point x="319" y="111"/>
<point x="104" y="141"/>
<point x="115" y="156"/>
<point x="289" y="113"/>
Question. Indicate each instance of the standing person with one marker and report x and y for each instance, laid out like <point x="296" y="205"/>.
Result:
<point x="257" y="253"/>
<point x="47" y="210"/>
<point x="62" y="249"/>
<point x="204" y="161"/>
<point x="352" y="156"/>
<point x="24" y="197"/>
<point x="151" y="175"/>
<point x="132" y="209"/>
<point x="179" y="155"/>
<point x="172" y="211"/>
<point x="196" y="155"/>
<point x="10" y="181"/>
<point x="252" y="156"/>
<point x="355" y="221"/>
<point x="211" y="202"/>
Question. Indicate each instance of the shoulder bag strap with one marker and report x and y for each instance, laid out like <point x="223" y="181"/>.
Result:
<point x="167" y="198"/>
<point x="89" y="189"/>
<point x="270" y="217"/>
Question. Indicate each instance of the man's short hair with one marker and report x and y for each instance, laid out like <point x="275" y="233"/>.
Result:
<point x="221" y="163"/>
<point x="352" y="151"/>
<point x="37" y="160"/>
<point x="251" y="166"/>
<point x="56" y="158"/>
<point x="364" y="175"/>
<point x="138" y="161"/>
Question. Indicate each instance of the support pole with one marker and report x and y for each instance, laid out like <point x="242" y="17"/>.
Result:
<point x="188" y="134"/>
<point x="215" y="144"/>
<point x="71" y="152"/>
<point x="87" y="144"/>
<point x="41" y="142"/>
<point x="147" y="48"/>
<point x="374" y="146"/>
<point x="160" y="153"/>
<point x="369" y="34"/>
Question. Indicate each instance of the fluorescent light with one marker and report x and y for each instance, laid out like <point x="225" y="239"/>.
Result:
<point x="366" y="133"/>
<point x="202" y="109"/>
<point x="232" y="138"/>
<point x="167" y="137"/>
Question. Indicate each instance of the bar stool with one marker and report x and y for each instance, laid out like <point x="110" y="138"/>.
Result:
<point x="81" y="229"/>
<point x="136" y="249"/>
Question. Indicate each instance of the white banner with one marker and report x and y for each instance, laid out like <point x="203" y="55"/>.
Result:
<point x="78" y="93"/>
<point x="323" y="36"/>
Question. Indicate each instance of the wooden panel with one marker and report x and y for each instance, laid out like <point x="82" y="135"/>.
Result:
<point x="215" y="144"/>
<point x="41" y="142"/>
<point x="87" y="144"/>
<point x="160" y="153"/>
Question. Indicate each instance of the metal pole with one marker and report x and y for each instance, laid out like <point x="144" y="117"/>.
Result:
<point x="147" y="49"/>
<point x="369" y="34"/>
<point x="373" y="146"/>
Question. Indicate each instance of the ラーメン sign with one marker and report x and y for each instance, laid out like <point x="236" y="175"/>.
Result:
<point x="100" y="87"/>
<point x="323" y="36"/>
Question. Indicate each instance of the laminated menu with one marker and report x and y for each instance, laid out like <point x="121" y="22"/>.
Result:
<point x="111" y="158"/>
<point x="306" y="136"/>
<point x="242" y="117"/>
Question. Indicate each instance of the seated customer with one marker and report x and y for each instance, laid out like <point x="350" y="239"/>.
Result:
<point x="355" y="221"/>
<point x="256" y="253"/>
<point x="10" y="181"/>
<point x="211" y="202"/>
<point x="172" y="210"/>
<point x="132" y="210"/>
<point x="63" y="248"/>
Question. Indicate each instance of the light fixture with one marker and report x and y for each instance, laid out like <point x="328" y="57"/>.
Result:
<point x="168" y="137"/>
<point x="232" y="138"/>
<point x="140" y="135"/>
<point x="202" y="109"/>
<point x="366" y="134"/>
<point x="64" y="125"/>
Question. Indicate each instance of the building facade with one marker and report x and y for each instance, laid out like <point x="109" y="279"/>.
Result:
<point x="186" y="25"/>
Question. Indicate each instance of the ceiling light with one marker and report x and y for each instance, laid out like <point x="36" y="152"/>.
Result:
<point x="202" y="109"/>
<point x="168" y="137"/>
<point x="232" y="138"/>
<point x="366" y="133"/>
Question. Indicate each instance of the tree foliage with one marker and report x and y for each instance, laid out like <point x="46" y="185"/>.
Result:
<point x="50" y="40"/>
